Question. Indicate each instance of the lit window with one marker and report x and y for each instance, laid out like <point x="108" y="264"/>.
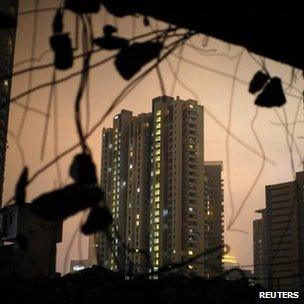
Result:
<point x="157" y="172"/>
<point x="157" y="185"/>
<point x="156" y="220"/>
<point x="156" y="247"/>
<point x="156" y="254"/>
<point x="131" y="166"/>
<point x="157" y="205"/>
<point x="137" y="223"/>
<point x="191" y="106"/>
<point x="157" y="199"/>
<point x="158" y="119"/>
<point x="157" y="158"/>
<point x="157" y="226"/>
<point x="157" y="152"/>
<point x="190" y="209"/>
<point x="137" y="216"/>
<point x="158" y="125"/>
<point x="156" y="192"/>
<point x="158" y="132"/>
<point x="156" y="262"/>
<point x="190" y="267"/>
<point x="157" y="145"/>
<point x="157" y="138"/>
<point x="116" y="117"/>
<point x="156" y="233"/>
<point x="156" y="212"/>
<point x="156" y="241"/>
<point x="158" y="112"/>
<point x="190" y="252"/>
<point x="138" y="190"/>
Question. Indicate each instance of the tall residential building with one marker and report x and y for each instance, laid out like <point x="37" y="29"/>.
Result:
<point x="283" y="218"/>
<point x="177" y="194"/>
<point x="125" y="178"/>
<point x="214" y="215"/>
<point x="153" y="173"/>
<point x="7" y="42"/>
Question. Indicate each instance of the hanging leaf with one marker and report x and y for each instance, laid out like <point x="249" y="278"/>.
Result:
<point x="58" y="22"/>
<point x="62" y="47"/>
<point x="109" y="30"/>
<point x="258" y="82"/>
<point x="272" y="94"/>
<point x="98" y="220"/>
<point x="111" y="42"/>
<point x="83" y="170"/>
<point x="20" y="191"/>
<point x="83" y="6"/>
<point x="131" y="59"/>
<point x="60" y="204"/>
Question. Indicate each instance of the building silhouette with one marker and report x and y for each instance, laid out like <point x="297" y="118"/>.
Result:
<point x="32" y="241"/>
<point x="7" y="43"/>
<point x="153" y="173"/>
<point x="279" y="234"/>
<point x="214" y="215"/>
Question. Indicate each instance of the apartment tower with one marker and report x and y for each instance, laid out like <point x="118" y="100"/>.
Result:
<point x="177" y="196"/>
<point x="283" y="219"/>
<point x="153" y="174"/>
<point x="214" y="216"/>
<point x="7" y="38"/>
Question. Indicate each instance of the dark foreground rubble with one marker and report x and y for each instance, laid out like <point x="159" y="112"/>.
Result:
<point x="98" y="285"/>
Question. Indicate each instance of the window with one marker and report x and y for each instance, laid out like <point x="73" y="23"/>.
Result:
<point x="158" y="125"/>
<point x="190" y="252"/>
<point x="158" y="113"/>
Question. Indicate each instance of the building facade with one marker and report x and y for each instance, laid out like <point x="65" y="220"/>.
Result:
<point x="177" y="194"/>
<point x="153" y="174"/>
<point x="7" y="43"/>
<point x="283" y="239"/>
<point x="214" y="215"/>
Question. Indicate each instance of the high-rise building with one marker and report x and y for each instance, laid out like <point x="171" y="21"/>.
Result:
<point x="7" y="42"/>
<point x="153" y="174"/>
<point x="177" y="194"/>
<point x="283" y="218"/>
<point x="214" y="215"/>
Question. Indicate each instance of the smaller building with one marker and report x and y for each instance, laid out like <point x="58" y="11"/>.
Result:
<point x="77" y="265"/>
<point x="30" y="243"/>
<point x="229" y="262"/>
